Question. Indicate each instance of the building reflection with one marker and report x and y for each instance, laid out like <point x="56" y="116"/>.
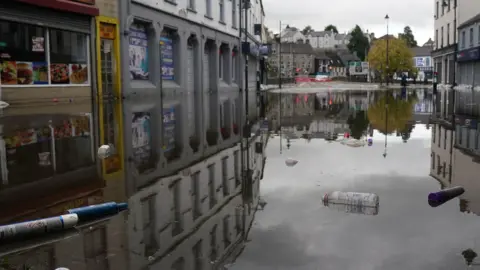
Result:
<point x="46" y="148"/>
<point x="456" y="152"/>
<point x="176" y="223"/>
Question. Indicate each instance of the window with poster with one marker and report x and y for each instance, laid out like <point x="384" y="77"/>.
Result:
<point x="24" y="59"/>
<point x="28" y="146"/>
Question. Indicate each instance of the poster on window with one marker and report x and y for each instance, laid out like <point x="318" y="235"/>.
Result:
<point x="166" y="47"/>
<point x="138" y="55"/>
<point x="168" y="129"/>
<point x="38" y="44"/>
<point x="141" y="137"/>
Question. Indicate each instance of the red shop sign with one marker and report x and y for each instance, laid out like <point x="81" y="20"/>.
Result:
<point x="89" y="2"/>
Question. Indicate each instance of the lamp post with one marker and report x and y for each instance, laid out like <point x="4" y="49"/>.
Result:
<point x="387" y="68"/>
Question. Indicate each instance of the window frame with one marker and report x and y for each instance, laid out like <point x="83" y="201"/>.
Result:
<point x="47" y="47"/>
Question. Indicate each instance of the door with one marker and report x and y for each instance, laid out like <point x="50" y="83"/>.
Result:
<point x="206" y="84"/>
<point x="191" y="89"/>
<point x="110" y="102"/>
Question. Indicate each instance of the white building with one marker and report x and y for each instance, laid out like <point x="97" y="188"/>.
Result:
<point x="200" y="208"/>
<point x="328" y="40"/>
<point x="442" y="161"/>
<point x="465" y="174"/>
<point x="448" y="15"/>
<point x="292" y="35"/>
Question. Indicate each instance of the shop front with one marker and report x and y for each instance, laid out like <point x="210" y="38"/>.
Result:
<point x="46" y="76"/>
<point x="469" y="66"/>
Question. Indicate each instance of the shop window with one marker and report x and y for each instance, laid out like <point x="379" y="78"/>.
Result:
<point x="143" y="156"/>
<point x="22" y="54"/>
<point x="73" y="143"/>
<point x="172" y="138"/>
<point x="138" y="52"/>
<point x="68" y="57"/>
<point x="169" y="53"/>
<point x="24" y="59"/>
<point x="28" y="152"/>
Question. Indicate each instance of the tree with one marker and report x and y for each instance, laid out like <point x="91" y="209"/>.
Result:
<point x="358" y="43"/>
<point x="358" y="124"/>
<point x="408" y="37"/>
<point x="399" y="56"/>
<point x="307" y="30"/>
<point x="331" y="27"/>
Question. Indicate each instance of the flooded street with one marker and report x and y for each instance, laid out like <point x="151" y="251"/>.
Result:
<point x="339" y="141"/>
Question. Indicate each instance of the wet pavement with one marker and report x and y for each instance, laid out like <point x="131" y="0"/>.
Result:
<point x="291" y="227"/>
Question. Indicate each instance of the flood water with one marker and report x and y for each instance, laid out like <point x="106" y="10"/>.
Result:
<point x="389" y="151"/>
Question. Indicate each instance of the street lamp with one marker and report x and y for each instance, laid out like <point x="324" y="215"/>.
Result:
<point x="387" y="67"/>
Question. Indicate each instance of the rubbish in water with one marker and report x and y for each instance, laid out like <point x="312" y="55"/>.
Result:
<point x="438" y="198"/>
<point x="351" y="198"/>
<point x="106" y="151"/>
<point x="354" y="209"/>
<point x="93" y="212"/>
<point x="370" y="141"/>
<point x="32" y="228"/>
<point x="291" y="162"/>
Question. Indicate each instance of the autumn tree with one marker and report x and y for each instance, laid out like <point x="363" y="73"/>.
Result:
<point x="358" y="43"/>
<point x="331" y="27"/>
<point x="399" y="56"/>
<point x="408" y="37"/>
<point x="307" y="30"/>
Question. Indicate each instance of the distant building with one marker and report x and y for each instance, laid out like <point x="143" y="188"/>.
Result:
<point x="331" y="40"/>
<point x="295" y="58"/>
<point x="422" y="60"/>
<point x="292" y="35"/>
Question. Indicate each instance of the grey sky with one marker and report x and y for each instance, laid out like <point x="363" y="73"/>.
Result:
<point x="345" y="14"/>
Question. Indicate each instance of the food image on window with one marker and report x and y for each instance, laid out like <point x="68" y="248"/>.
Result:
<point x="8" y="72"/>
<point x="24" y="73"/>
<point x="40" y="73"/>
<point x="60" y="73"/>
<point x="78" y="74"/>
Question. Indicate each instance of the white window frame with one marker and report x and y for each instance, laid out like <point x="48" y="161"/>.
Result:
<point x="191" y="4"/>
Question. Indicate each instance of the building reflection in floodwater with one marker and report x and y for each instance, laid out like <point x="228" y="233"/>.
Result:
<point x="178" y="222"/>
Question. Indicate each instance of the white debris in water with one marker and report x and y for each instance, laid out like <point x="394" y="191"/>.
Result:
<point x="291" y="162"/>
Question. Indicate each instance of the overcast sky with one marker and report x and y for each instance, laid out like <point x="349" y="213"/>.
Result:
<point x="345" y="14"/>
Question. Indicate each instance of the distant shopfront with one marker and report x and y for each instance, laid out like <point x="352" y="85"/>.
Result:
<point x="46" y="77"/>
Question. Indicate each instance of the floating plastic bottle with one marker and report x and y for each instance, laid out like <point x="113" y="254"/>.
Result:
<point x="354" y="209"/>
<point x="33" y="228"/>
<point x="291" y="162"/>
<point x="351" y="198"/>
<point x="438" y="198"/>
<point x="98" y="211"/>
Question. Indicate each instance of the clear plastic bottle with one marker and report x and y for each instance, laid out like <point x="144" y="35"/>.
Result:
<point x="351" y="198"/>
<point x="354" y="209"/>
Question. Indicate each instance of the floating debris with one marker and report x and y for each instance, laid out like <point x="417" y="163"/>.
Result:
<point x="291" y="162"/>
<point x="438" y="198"/>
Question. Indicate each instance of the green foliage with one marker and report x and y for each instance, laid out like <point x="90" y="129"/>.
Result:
<point x="307" y="30"/>
<point x="331" y="27"/>
<point x="358" y="43"/>
<point x="408" y="37"/>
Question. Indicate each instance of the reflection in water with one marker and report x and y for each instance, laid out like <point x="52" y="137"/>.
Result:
<point x="334" y="114"/>
<point x="197" y="219"/>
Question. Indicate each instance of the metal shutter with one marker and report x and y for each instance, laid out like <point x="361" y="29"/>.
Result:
<point x="191" y="88"/>
<point x="20" y="12"/>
